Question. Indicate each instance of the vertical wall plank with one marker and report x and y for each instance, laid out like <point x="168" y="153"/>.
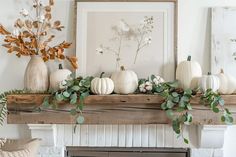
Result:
<point x="160" y="135"/>
<point x="100" y="135"/>
<point x="108" y="135"/>
<point x="60" y="136"/>
<point x="144" y="135"/>
<point x="121" y="136"/>
<point x="84" y="135"/>
<point x="152" y="135"/>
<point x="169" y="136"/>
<point x="76" y="135"/>
<point x="137" y="136"/>
<point x="114" y="137"/>
<point x="68" y="138"/>
<point x="129" y="136"/>
<point x="92" y="135"/>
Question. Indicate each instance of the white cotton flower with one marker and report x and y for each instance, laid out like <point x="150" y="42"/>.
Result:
<point x="142" y="88"/>
<point x="124" y="26"/>
<point x="158" y="80"/>
<point x="41" y="18"/>
<point x="148" y="86"/>
<point x="16" y="32"/>
<point x="99" y="50"/>
<point x="24" y="12"/>
<point x="148" y="40"/>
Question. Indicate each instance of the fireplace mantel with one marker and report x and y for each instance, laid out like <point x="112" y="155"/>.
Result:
<point x="110" y="109"/>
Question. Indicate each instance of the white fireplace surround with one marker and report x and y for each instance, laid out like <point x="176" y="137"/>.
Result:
<point x="205" y="141"/>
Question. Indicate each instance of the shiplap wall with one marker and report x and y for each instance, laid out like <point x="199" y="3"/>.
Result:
<point x="123" y="136"/>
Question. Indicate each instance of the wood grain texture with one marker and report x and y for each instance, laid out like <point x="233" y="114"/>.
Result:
<point x="110" y="109"/>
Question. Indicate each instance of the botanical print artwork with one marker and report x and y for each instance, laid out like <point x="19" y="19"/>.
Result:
<point x="124" y="33"/>
<point x="223" y="40"/>
<point x="137" y="36"/>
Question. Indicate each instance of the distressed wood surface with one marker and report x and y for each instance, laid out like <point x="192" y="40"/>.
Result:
<point x="110" y="109"/>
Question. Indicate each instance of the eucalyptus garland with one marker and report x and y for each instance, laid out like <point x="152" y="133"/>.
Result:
<point x="74" y="91"/>
<point x="176" y="102"/>
<point x="3" y="103"/>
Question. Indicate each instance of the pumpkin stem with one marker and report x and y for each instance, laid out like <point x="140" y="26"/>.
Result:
<point x="209" y="73"/>
<point x="102" y="74"/>
<point x="222" y="71"/>
<point x="122" y="68"/>
<point x="189" y="58"/>
<point x="60" y="66"/>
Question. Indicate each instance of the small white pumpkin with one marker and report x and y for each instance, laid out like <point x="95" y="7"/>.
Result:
<point x="209" y="82"/>
<point x="188" y="73"/>
<point x="227" y="83"/>
<point x="125" y="81"/>
<point x="102" y="86"/>
<point x="59" y="76"/>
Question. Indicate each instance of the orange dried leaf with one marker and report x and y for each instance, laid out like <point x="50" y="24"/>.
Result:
<point x="7" y="45"/>
<point x="28" y="24"/>
<point x="36" y="24"/>
<point x="47" y="8"/>
<point x="3" y="30"/>
<point x="73" y="61"/>
<point x="57" y="23"/>
<point x="51" y="2"/>
<point x="26" y="34"/>
<point x="19" y="23"/>
<point x="48" y="16"/>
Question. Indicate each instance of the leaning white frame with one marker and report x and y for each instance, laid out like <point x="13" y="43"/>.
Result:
<point x="169" y="10"/>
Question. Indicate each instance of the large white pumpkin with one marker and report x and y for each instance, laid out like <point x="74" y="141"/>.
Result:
<point x="188" y="73"/>
<point x="58" y="76"/>
<point x="125" y="81"/>
<point x="209" y="82"/>
<point x="102" y="86"/>
<point x="227" y="83"/>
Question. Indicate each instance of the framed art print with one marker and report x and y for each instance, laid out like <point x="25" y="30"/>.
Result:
<point x="223" y="53"/>
<point x="137" y="35"/>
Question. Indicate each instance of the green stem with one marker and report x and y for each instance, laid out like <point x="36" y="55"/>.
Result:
<point x="102" y="74"/>
<point x="189" y="58"/>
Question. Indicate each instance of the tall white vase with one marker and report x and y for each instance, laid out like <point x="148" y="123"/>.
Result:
<point x="36" y="75"/>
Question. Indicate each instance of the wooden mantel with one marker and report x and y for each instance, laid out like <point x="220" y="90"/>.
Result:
<point x="110" y="109"/>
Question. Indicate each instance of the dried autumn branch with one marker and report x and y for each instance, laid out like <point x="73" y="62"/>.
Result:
<point x="32" y="36"/>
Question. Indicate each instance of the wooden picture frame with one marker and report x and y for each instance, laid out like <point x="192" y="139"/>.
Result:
<point x="171" y="73"/>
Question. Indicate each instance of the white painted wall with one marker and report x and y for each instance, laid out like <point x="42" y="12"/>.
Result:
<point x="194" y="39"/>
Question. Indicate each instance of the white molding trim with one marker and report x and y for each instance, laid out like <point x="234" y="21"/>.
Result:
<point x="46" y="132"/>
<point x="211" y="136"/>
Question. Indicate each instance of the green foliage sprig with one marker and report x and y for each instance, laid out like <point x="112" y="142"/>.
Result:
<point x="3" y="103"/>
<point x="177" y="102"/>
<point x="72" y="90"/>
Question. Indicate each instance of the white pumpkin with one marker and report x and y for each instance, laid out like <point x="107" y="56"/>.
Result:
<point x="188" y="73"/>
<point x="125" y="81"/>
<point x="102" y="86"/>
<point x="58" y="76"/>
<point x="227" y="83"/>
<point x="156" y="79"/>
<point x="209" y="82"/>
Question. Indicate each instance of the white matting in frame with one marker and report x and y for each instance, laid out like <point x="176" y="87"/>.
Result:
<point x="95" y="21"/>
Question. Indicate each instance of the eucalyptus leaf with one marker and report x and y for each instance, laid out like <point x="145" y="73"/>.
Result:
<point x="73" y="112"/>
<point x="169" y="114"/>
<point x="80" y="119"/>
<point x="186" y="141"/>
<point x="59" y="97"/>
<point x="66" y="94"/>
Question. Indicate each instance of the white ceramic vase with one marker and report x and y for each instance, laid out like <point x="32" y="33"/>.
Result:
<point x="36" y="75"/>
